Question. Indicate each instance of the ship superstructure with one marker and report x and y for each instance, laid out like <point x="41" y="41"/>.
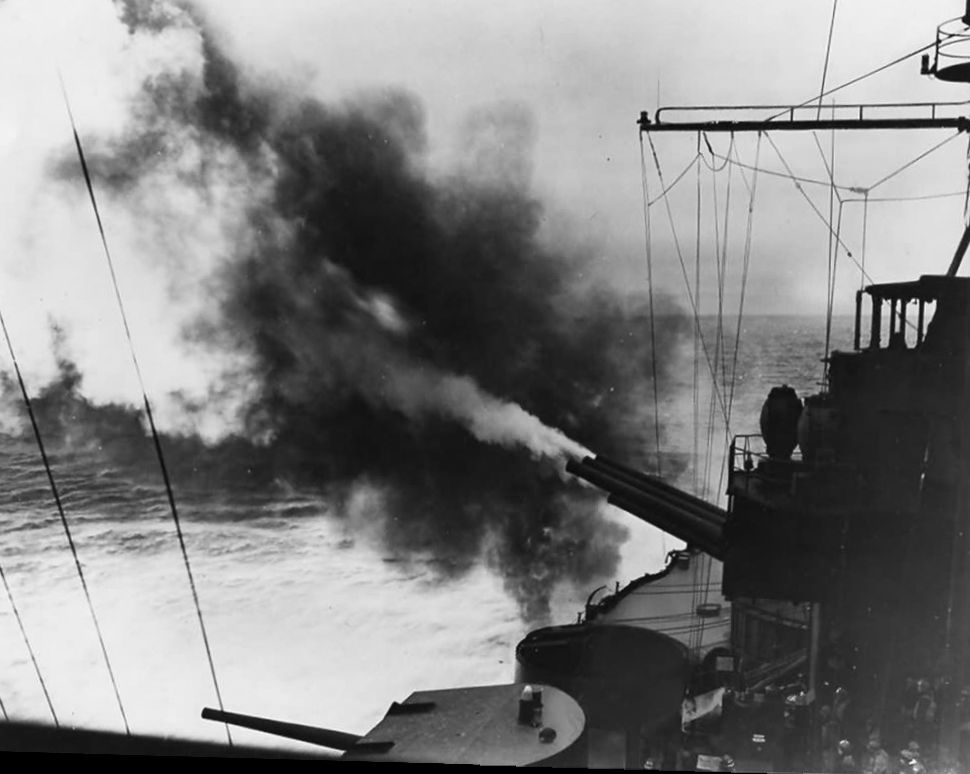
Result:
<point x="841" y="601"/>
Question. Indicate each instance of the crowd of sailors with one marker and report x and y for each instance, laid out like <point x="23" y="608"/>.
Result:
<point x="907" y="739"/>
<point x="789" y="730"/>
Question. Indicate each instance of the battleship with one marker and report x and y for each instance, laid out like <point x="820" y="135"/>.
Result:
<point x="837" y="633"/>
<point x="839" y="638"/>
<point x="773" y="639"/>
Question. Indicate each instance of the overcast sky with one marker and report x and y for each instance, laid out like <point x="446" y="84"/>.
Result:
<point x="587" y="69"/>
<point x="582" y="70"/>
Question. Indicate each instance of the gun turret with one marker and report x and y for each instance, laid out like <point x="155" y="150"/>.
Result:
<point x="656" y="502"/>
<point x="492" y="725"/>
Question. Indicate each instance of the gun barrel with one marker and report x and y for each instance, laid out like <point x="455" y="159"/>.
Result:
<point x="657" y="485"/>
<point x="673" y="511"/>
<point x="325" y="737"/>
<point x="670" y="524"/>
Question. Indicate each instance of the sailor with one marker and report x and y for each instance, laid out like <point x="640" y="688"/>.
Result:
<point x="876" y="759"/>
<point x="907" y="707"/>
<point x="924" y="712"/>
<point x="828" y="728"/>
<point x="845" y="760"/>
<point x="942" y="690"/>
<point x="841" y="709"/>
<point x="963" y="718"/>
<point x="836" y="667"/>
<point x="792" y="741"/>
<point x="909" y="762"/>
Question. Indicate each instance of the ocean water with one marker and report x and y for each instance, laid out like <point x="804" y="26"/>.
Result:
<point x="309" y="619"/>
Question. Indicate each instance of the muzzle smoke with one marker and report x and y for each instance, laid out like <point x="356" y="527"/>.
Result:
<point x="401" y="337"/>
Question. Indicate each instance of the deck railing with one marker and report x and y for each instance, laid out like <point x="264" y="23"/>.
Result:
<point x="748" y="452"/>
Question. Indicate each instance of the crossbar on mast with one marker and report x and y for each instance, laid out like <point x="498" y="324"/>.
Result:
<point x="960" y="123"/>
<point x="911" y="115"/>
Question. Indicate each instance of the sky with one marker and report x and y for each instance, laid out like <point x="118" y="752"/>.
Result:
<point x="586" y="70"/>
<point x="580" y="72"/>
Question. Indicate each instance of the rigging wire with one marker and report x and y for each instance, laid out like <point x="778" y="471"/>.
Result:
<point x="712" y="407"/>
<point x="722" y="273"/>
<point x="828" y="51"/>
<point x="830" y="171"/>
<point x="720" y="266"/>
<point x="30" y="649"/>
<point x="855" y="80"/>
<point x="835" y="238"/>
<point x="677" y="179"/>
<point x="835" y="243"/>
<point x="865" y="232"/>
<point x="709" y="561"/>
<point x="966" y="197"/>
<point x="833" y="252"/>
<point x="746" y="256"/>
<point x="919" y="198"/>
<point x="775" y="173"/>
<point x="851" y="188"/>
<point x="721" y="351"/>
<point x="64" y="523"/>
<point x="745" y="265"/>
<point x="711" y="430"/>
<point x="830" y="306"/>
<point x="728" y="376"/>
<point x="736" y="162"/>
<point x="725" y="159"/>
<point x="687" y="630"/>
<point x="147" y="405"/>
<point x="683" y="265"/>
<point x="812" y="204"/>
<point x="653" y="326"/>
<point x="913" y="161"/>
<point x="828" y="223"/>
<point x="695" y="396"/>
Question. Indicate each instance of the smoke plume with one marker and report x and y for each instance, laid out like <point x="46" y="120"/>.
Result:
<point x="399" y="336"/>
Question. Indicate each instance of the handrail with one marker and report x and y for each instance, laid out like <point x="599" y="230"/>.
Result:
<point x="856" y="107"/>
<point x="946" y="38"/>
<point x="749" y="453"/>
<point x="750" y="458"/>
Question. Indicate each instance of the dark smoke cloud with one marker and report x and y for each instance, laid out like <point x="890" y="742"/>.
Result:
<point x="404" y="332"/>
